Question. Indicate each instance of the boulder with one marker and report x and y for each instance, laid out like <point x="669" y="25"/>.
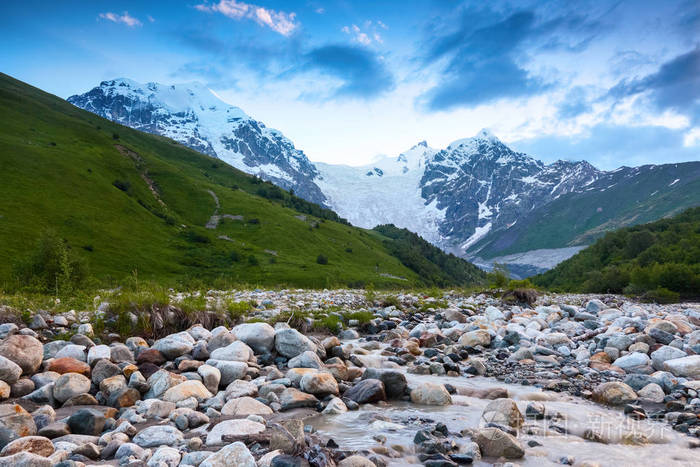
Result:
<point x="233" y="455"/>
<point x="307" y="359"/>
<point x="230" y="370"/>
<point x="26" y="351"/>
<point x="69" y="365"/>
<point x="164" y="457"/>
<point x="614" y="393"/>
<point x="87" y="422"/>
<point x="290" y="343"/>
<point x="474" y="338"/>
<point x="244" y="406"/>
<point x="688" y="367"/>
<point x="430" y="394"/>
<point x="73" y="351"/>
<point x="182" y="391"/>
<point x="356" y="461"/>
<point x="159" y="435"/>
<point x="503" y="412"/>
<point x="634" y="362"/>
<point x="239" y="427"/>
<point x="494" y="442"/>
<point x="9" y="370"/>
<point x="366" y="391"/>
<point x="35" y="444"/>
<point x="259" y="336"/>
<point x="70" y="385"/>
<point x="335" y="406"/>
<point x="652" y="392"/>
<point x="211" y="377"/>
<point x="664" y="353"/>
<point x="174" y="345"/>
<point x="394" y="381"/>
<point x="319" y="384"/>
<point x="292" y="398"/>
<point x="98" y="352"/>
<point x="236" y="351"/>
<point x="25" y="459"/>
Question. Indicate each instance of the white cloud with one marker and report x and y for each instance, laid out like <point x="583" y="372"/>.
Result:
<point x="366" y="37"/>
<point x="124" y="19"/>
<point x="692" y="137"/>
<point x="279" y="21"/>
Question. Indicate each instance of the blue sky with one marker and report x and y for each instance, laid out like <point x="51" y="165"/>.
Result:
<point x="612" y="82"/>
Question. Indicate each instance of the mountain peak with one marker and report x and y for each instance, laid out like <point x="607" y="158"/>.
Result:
<point x="484" y="135"/>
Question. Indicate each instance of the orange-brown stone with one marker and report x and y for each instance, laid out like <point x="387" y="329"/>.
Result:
<point x="69" y="365"/>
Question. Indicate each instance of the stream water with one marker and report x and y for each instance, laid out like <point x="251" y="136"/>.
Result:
<point x="625" y="442"/>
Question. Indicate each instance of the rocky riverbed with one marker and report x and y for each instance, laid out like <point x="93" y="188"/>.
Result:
<point x="437" y="381"/>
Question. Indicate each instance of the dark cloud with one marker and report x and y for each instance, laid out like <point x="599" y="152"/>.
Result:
<point x="486" y="54"/>
<point x="675" y="86"/>
<point x="363" y="74"/>
<point x="611" y="146"/>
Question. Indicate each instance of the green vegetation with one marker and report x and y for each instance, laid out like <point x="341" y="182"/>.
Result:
<point x="434" y="266"/>
<point x="659" y="260"/>
<point x="119" y="200"/>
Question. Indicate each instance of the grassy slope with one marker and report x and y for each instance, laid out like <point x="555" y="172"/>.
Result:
<point x="57" y="168"/>
<point x="576" y="219"/>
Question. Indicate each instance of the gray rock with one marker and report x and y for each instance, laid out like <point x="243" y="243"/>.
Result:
<point x="174" y="345"/>
<point x="236" y="351"/>
<point x="9" y="370"/>
<point x="290" y="343"/>
<point x="230" y="370"/>
<point x="664" y="353"/>
<point x="162" y="435"/>
<point x="26" y="351"/>
<point x="235" y="454"/>
<point x="394" y="381"/>
<point x="688" y="367"/>
<point x="634" y="362"/>
<point x="307" y="359"/>
<point x="69" y="385"/>
<point x="366" y="391"/>
<point x="259" y="336"/>
<point x="73" y="351"/>
<point x="239" y="427"/>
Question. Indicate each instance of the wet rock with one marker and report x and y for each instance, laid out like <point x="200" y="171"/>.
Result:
<point x="240" y="427"/>
<point x="292" y="398"/>
<point x="535" y="410"/>
<point x="288" y="437"/>
<point x="155" y="436"/>
<point x="494" y="442"/>
<point x="503" y="412"/>
<point x="366" y="391"/>
<point x="335" y="406"/>
<point x="394" y="381"/>
<point x="430" y="394"/>
<point x="259" y="336"/>
<point x="614" y="393"/>
<point x="26" y="351"/>
<point x="290" y="343"/>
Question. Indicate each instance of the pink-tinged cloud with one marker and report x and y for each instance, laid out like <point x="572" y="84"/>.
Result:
<point x="279" y="21"/>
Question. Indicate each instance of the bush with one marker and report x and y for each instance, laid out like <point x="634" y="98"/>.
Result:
<point x="237" y="310"/>
<point x="322" y="259"/>
<point x="124" y="185"/>
<point x="498" y="278"/>
<point x="115" y="135"/>
<point x="52" y="266"/>
<point x="252" y="260"/>
<point x="196" y="237"/>
<point x="662" y="295"/>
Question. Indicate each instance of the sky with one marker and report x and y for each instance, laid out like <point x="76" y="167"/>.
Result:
<point x="612" y="82"/>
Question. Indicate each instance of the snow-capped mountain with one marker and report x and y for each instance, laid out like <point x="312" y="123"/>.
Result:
<point x="452" y="197"/>
<point x="194" y="116"/>
<point x="476" y="198"/>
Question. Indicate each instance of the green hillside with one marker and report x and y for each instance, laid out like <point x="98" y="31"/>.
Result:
<point x="126" y="203"/>
<point x="660" y="259"/>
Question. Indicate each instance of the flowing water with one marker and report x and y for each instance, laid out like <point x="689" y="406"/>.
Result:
<point x="626" y="442"/>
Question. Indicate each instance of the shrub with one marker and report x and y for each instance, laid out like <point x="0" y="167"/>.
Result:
<point x="196" y="237"/>
<point x="237" y="310"/>
<point x="330" y="323"/>
<point x="52" y="266"/>
<point x="115" y="136"/>
<point x="662" y="295"/>
<point x="322" y="259"/>
<point x="124" y="185"/>
<point x="498" y="278"/>
<point x="254" y="221"/>
<point x="252" y="260"/>
<point x="362" y="317"/>
<point x="391" y="300"/>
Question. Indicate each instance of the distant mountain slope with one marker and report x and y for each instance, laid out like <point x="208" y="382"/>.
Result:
<point x="476" y="198"/>
<point x="133" y="203"/>
<point x="192" y="115"/>
<point x="640" y="259"/>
